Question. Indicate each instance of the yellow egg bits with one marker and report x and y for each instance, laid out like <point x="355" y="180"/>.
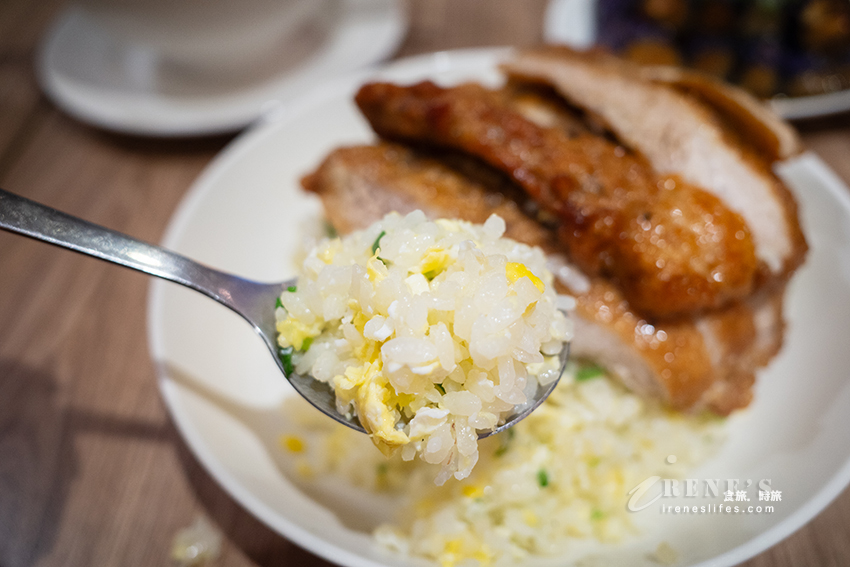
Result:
<point x="435" y="261"/>
<point x="516" y="271"/>
<point x="365" y="381"/>
<point x="379" y="407"/>
<point x="293" y="332"/>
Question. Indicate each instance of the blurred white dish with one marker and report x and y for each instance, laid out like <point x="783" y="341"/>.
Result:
<point x="210" y="35"/>
<point x="99" y="78"/>
<point x="573" y="22"/>
<point x="247" y="214"/>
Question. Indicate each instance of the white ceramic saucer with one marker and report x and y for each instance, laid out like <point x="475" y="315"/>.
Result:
<point x="99" y="79"/>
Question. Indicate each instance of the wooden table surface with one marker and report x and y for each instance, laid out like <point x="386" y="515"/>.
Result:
<point x="92" y="471"/>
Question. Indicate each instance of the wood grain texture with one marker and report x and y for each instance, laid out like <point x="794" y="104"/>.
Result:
<point x="92" y="472"/>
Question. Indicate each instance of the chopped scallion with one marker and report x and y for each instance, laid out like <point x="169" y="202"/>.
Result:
<point x="542" y="478"/>
<point x="292" y="289"/>
<point x="285" y="355"/>
<point x="330" y="231"/>
<point x="505" y="441"/>
<point x="589" y="372"/>
<point x="377" y="243"/>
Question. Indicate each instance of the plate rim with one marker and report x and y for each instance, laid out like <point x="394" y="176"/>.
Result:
<point x="837" y="189"/>
<point x="830" y="182"/>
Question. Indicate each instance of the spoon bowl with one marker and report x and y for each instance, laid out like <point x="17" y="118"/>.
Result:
<point x="254" y="301"/>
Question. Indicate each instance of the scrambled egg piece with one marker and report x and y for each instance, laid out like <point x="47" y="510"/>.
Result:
<point x="435" y="261"/>
<point x="372" y="407"/>
<point x="328" y="251"/>
<point x="456" y="550"/>
<point x="375" y="269"/>
<point x="346" y="384"/>
<point x="292" y="443"/>
<point x="516" y="271"/>
<point x="371" y="393"/>
<point x="292" y="332"/>
<point x="359" y="321"/>
<point x="369" y="351"/>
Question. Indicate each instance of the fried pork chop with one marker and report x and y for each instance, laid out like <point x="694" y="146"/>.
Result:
<point x="706" y="362"/>
<point x="671" y="248"/>
<point x="712" y="135"/>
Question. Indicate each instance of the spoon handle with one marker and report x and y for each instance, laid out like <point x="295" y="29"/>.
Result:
<point x="41" y="222"/>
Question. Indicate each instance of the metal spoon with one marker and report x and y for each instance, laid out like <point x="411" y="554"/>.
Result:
<point x="254" y="301"/>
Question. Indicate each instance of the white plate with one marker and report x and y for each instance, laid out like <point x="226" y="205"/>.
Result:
<point x="246" y="214"/>
<point x="573" y="22"/>
<point x="97" y="78"/>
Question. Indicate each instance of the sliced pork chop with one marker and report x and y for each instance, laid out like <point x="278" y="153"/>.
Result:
<point x="679" y="135"/>
<point x="672" y="248"/>
<point x="752" y="121"/>
<point x="705" y="363"/>
<point x="708" y="362"/>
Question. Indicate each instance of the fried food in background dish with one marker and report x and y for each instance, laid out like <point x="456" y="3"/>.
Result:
<point x="704" y="362"/>
<point x="672" y="248"/>
<point x="782" y="48"/>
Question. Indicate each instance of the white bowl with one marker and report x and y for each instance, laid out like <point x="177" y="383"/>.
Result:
<point x="246" y="214"/>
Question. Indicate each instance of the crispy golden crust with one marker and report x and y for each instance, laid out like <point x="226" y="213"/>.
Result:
<point x="671" y="248"/>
